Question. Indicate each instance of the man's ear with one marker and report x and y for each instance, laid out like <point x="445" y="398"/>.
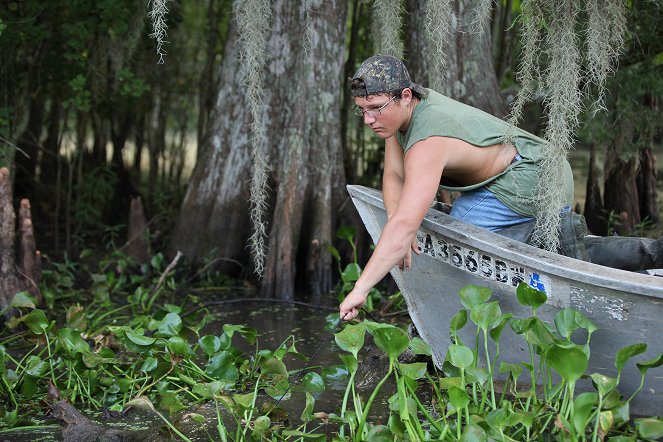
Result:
<point x="406" y="95"/>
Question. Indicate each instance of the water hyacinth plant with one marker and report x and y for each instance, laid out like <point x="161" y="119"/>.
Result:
<point x="466" y="403"/>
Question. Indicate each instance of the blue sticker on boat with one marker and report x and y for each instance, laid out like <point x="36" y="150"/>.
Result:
<point x="536" y="282"/>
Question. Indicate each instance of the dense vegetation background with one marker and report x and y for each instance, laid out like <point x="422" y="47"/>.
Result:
<point x="89" y="119"/>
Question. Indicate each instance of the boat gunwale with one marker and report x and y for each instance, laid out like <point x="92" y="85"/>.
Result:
<point x="525" y="254"/>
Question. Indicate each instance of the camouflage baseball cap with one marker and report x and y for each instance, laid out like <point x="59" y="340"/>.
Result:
<point x="382" y="74"/>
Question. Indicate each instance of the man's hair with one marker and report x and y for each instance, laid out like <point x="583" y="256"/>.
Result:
<point x="358" y="88"/>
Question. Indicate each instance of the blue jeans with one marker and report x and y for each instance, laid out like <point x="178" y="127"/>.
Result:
<point x="481" y="208"/>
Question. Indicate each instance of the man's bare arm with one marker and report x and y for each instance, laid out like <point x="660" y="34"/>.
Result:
<point x="393" y="175"/>
<point x="423" y="166"/>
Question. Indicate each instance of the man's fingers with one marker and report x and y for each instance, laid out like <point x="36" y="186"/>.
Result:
<point x="349" y="315"/>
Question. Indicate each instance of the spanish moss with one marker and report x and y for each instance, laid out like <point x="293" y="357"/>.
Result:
<point x="157" y="16"/>
<point x="438" y="33"/>
<point x="481" y="18"/>
<point x="310" y="34"/>
<point x="253" y="18"/>
<point x="605" y="38"/>
<point x="549" y="30"/>
<point x="387" y="23"/>
<point x="564" y="104"/>
<point x="528" y="69"/>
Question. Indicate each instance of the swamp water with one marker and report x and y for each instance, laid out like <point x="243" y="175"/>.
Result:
<point x="275" y="324"/>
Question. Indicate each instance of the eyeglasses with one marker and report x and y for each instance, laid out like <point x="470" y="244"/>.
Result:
<point x="371" y="112"/>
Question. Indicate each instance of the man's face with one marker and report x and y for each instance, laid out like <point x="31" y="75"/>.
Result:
<point x="382" y="113"/>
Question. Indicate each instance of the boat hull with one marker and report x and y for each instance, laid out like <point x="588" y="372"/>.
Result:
<point x="627" y="307"/>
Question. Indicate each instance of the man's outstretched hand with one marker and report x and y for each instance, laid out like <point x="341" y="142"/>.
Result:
<point x="349" y="308"/>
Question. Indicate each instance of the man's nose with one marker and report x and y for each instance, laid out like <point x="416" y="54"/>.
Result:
<point x="368" y="119"/>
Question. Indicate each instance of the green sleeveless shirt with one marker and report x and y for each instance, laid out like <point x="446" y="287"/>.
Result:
<point x="438" y="115"/>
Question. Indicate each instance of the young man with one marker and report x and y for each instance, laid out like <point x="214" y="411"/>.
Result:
<point x="429" y="139"/>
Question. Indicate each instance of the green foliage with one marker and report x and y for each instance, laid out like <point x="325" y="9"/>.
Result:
<point x="350" y="274"/>
<point x="465" y="406"/>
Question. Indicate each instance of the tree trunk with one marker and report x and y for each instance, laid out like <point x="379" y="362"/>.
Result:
<point x="29" y="142"/>
<point x="24" y="274"/>
<point x="303" y="126"/>
<point x="471" y="76"/>
<point x="621" y="190"/>
<point x="646" y="183"/>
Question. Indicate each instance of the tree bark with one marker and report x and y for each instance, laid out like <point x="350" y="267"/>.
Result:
<point x="621" y="190"/>
<point x="137" y="245"/>
<point x="24" y="275"/>
<point x="303" y="126"/>
<point x="471" y="76"/>
<point x="646" y="184"/>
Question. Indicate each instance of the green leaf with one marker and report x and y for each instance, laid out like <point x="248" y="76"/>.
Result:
<point x="627" y="353"/>
<point x="247" y="333"/>
<point x="273" y="367"/>
<point x="23" y="300"/>
<point x="334" y="252"/>
<point x="496" y="331"/>
<point x="570" y="363"/>
<point x="261" y="425"/>
<point x="389" y="338"/>
<point x="520" y="326"/>
<point x="178" y="346"/>
<point x="36" y="367"/>
<point x="350" y="362"/>
<point x="351" y="272"/>
<point x="458" y="398"/>
<point x="171" y="325"/>
<point x="149" y="364"/>
<point x="497" y="418"/>
<point x="312" y="382"/>
<point x="472" y="295"/>
<point x="36" y="321"/>
<point x="244" y="400"/>
<point x="447" y="382"/>
<point x="606" y="421"/>
<point x="582" y="408"/>
<point x="473" y="433"/>
<point x="539" y="334"/>
<point x="566" y="323"/>
<point x="210" y="344"/>
<point x="603" y="384"/>
<point x="413" y="371"/>
<point x="529" y="296"/>
<point x="222" y="367"/>
<point x="307" y="413"/>
<point x="485" y="315"/>
<point x="72" y="342"/>
<point x="650" y="428"/>
<point x="346" y="232"/>
<point x="208" y="390"/>
<point x="303" y="435"/>
<point x="458" y="321"/>
<point x="139" y="338"/>
<point x="380" y="433"/>
<point x="420" y="347"/>
<point x="652" y="363"/>
<point x="351" y="338"/>
<point x="460" y="356"/>
<point x="477" y="374"/>
<point x="332" y="373"/>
